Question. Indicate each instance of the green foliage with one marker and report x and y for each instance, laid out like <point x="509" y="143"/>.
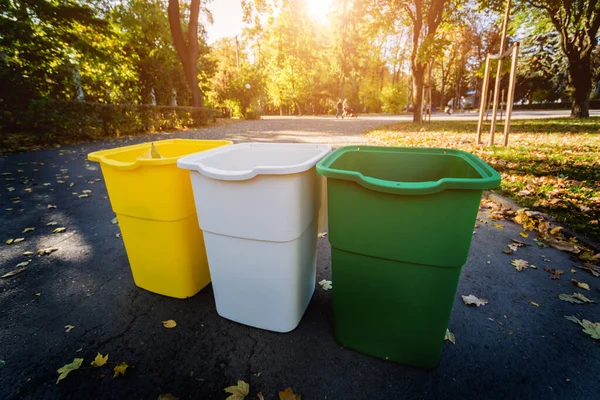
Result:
<point x="59" y="121"/>
<point x="394" y="98"/>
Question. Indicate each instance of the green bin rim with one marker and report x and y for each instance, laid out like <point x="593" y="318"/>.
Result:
<point x="490" y="178"/>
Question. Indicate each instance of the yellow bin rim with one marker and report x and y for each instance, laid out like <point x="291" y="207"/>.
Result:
<point x="104" y="156"/>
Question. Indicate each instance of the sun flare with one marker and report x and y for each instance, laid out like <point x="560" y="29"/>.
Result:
<point x="318" y="9"/>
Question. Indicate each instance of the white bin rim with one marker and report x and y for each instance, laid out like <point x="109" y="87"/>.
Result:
<point x="244" y="161"/>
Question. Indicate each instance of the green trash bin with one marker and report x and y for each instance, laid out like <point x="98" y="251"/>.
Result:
<point x="400" y="226"/>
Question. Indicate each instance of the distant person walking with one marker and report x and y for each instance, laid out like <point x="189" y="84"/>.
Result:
<point x="340" y="110"/>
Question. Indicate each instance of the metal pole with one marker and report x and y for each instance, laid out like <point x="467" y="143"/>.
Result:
<point x="483" y="101"/>
<point x="511" y="91"/>
<point x="498" y="73"/>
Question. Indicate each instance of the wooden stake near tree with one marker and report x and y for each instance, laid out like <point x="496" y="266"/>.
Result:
<point x="512" y="52"/>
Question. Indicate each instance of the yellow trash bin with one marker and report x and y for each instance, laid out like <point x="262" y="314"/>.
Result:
<point x="154" y="203"/>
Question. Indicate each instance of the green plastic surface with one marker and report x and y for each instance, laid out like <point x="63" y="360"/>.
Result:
<point x="400" y="226"/>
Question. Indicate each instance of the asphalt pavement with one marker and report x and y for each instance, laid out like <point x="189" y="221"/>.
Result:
<point x="518" y="346"/>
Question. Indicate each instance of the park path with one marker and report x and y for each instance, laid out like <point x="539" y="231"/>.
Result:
<point x="517" y="346"/>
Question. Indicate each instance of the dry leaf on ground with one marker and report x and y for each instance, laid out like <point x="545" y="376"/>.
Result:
<point x="59" y="230"/>
<point x="582" y="285"/>
<point x="45" y="252"/>
<point x="239" y="391"/>
<point x="473" y="300"/>
<point x="167" y="396"/>
<point x="554" y="273"/>
<point x="260" y="396"/>
<point x="99" y="360"/>
<point x="322" y="235"/>
<point x="14" y="272"/>
<point x="28" y="230"/>
<point x="520" y="265"/>
<point x="591" y="328"/>
<point x="19" y="240"/>
<point x="169" y="324"/>
<point x="325" y="284"/>
<point x="69" y="328"/>
<point x="288" y="394"/>
<point x="51" y="223"/>
<point x="114" y="221"/>
<point x="450" y="336"/>
<point x="67" y="368"/>
<point x="591" y="268"/>
<point x="120" y="369"/>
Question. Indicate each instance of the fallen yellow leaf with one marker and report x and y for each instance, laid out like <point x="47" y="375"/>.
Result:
<point x="99" y="360"/>
<point x="19" y="240"/>
<point x="42" y="252"/>
<point x="13" y="272"/>
<point x="28" y="230"/>
<point x="120" y="369"/>
<point x="167" y="396"/>
<point x="59" y="230"/>
<point x="239" y="391"/>
<point x="67" y="368"/>
<point x="260" y="396"/>
<point x="288" y="394"/>
<point x="69" y="328"/>
<point x="533" y="303"/>
<point x="524" y="234"/>
<point x="520" y="265"/>
<point x="450" y="336"/>
<point x="51" y="224"/>
<point x="169" y="324"/>
<point x="499" y="226"/>
<point x="9" y="241"/>
<point x="582" y="285"/>
<point x="28" y="253"/>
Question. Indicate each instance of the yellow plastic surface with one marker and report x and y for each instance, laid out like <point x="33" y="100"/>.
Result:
<point x="154" y="202"/>
<point x="144" y="187"/>
<point x="166" y="257"/>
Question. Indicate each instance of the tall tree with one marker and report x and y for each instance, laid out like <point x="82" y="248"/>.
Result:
<point x="426" y="16"/>
<point x="187" y="50"/>
<point x="577" y="22"/>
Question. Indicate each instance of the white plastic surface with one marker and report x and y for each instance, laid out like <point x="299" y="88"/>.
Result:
<point x="263" y="284"/>
<point x="258" y="206"/>
<point x="246" y="160"/>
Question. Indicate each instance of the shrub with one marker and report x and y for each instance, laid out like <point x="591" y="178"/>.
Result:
<point x="57" y="120"/>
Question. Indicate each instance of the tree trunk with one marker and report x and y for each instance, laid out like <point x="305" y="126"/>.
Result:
<point x="418" y="82"/>
<point x="580" y="76"/>
<point x="187" y="52"/>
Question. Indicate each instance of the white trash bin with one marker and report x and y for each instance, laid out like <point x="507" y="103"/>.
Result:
<point x="258" y="207"/>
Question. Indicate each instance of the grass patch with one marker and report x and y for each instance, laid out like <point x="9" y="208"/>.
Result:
<point x="551" y="165"/>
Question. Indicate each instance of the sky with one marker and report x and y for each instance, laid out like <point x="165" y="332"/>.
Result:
<point x="227" y="16"/>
